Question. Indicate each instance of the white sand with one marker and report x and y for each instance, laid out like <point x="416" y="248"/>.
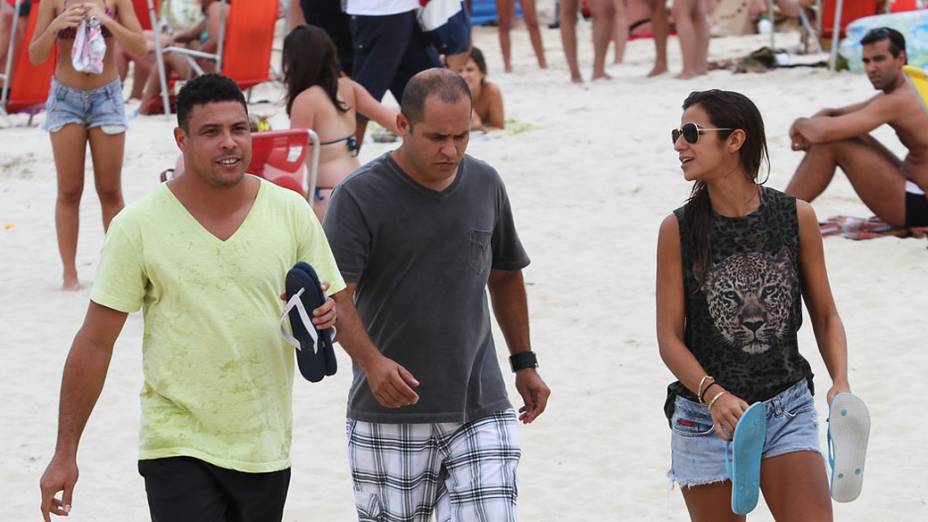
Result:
<point x="589" y="184"/>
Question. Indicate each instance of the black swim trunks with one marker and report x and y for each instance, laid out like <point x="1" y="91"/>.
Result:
<point x="916" y="206"/>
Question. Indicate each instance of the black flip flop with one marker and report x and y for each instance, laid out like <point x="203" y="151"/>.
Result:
<point x="314" y="353"/>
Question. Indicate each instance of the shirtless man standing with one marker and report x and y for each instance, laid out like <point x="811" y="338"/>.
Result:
<point x="893" y="189"/>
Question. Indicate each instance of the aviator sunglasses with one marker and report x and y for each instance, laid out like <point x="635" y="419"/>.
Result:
<point x="691" y="132"/>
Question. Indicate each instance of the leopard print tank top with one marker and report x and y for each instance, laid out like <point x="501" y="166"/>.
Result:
<point x="742" y="318"/>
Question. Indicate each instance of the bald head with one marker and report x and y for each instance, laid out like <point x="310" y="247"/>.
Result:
<point x="449" y="87"/>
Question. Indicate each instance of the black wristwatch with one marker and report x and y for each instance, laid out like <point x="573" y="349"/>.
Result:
<point x="523" y="360"/>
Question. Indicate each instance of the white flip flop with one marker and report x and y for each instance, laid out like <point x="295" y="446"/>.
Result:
<point x="848" y="432"/>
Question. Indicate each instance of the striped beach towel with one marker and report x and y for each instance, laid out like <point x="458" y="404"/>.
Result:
<point x="867" y="228"/>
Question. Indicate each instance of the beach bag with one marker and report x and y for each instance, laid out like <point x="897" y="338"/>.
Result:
<point x="89" y="47"/>
<point x="445" y="25"/>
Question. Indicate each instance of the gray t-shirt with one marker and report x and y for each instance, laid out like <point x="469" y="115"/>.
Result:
<point x="421" y="259"/>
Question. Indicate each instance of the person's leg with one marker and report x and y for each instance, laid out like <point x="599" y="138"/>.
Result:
<point x="795" y="487"/>
<point x="68" y="148"/>
<point x="182" y="489"/>
<point x="530" y="16"/>
<point x="603" y="23"/>
<point x="395" y="470"/>
<point x="481" y="458"/>
<point x="874" y="172"/>
<point x="569" y="38"/>
<point x="253" y="497"/>
<point x="710" y="502"/>
<point x="505" y="10"/>
<point x="379" y="44"/>
<point x="702" y="29"/>
<point x="6" y="28"/>
<point x="660" y="26"/>
<point x="106" y="150"/>
<point x="620" y="30"/>
<point x="686" y="33"/>
<point x="415" y="58"/>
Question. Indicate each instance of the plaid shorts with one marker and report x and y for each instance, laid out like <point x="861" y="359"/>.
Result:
<point x="464" y="472"/>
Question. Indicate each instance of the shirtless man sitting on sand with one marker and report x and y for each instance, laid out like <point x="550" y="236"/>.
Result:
<point x="893" y="189"/>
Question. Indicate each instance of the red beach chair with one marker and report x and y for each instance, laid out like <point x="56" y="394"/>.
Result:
<point x="25" y="86"/>
<point x="280" y="157"/>
<point x="851" y="10"/>
<point x="246" y="39"/>
<point x="143" y="12"/>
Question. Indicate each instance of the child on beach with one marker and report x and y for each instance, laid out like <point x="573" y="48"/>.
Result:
<point x="487" y="97"/>
<point x="84" y="108"/>
<point x="732" y="267"/>
<point x="319" y="97"/>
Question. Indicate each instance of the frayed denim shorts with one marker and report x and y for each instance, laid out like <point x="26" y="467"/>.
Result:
<point x="101" y="107"/>
<point x="698" y="452"/>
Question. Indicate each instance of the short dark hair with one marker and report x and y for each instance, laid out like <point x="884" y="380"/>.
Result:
<point x="207" y="88"/>
<point x="896" y="40"/>
<point x="448" y="86"/>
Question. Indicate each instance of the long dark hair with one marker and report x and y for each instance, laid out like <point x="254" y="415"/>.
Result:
<point x="310" y="58"/>
<point x="726" y="109"/>
<point x="477" y="56"/>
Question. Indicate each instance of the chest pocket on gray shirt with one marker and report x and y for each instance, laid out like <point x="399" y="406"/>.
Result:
<point x="479" y="254"/>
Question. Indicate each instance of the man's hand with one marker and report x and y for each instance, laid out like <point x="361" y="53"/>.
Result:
<point x="324" y="316"/>
<point x="60" y="475"/>
<point x="534" y="394"/>
<point x="391" y="384"/>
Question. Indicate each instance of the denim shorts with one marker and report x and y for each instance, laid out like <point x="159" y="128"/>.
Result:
<point x="698" y="453"/>
<point x="100" y="107"/>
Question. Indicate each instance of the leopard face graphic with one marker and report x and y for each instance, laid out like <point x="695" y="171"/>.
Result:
<point x="750" y="298"/>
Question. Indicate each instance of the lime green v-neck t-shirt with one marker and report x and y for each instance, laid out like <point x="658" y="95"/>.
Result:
<point x="218" y="375"/>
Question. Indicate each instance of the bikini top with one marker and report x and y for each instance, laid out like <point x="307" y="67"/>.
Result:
<point x="351" y="143"/>
<point x="68" y="33"/>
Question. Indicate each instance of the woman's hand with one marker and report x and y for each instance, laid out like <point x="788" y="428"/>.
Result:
<point x="93" y="10"/>
<point x="725" y="412"/>
<point x="836" y="388"/>
<point x="70" y="17"/>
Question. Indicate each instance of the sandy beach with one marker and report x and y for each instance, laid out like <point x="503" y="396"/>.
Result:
<point x="590" y="173"/>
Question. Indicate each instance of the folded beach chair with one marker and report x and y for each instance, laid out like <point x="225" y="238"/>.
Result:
<point x="279" y="156"/>
<point x="25" y="86"/>
<point x="244" y="46"/>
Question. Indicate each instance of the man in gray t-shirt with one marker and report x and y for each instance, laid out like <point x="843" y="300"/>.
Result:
<point x="419" y="234"/>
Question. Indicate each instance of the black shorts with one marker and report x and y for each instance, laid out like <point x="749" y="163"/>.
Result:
<point x="328" y="15"/>
<point x="916" y="209"/>
<point x="185" y="489"/>
<point x="388" y="51"/>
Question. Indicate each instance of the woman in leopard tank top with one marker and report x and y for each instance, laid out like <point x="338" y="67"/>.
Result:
<point x="733" y="266"/>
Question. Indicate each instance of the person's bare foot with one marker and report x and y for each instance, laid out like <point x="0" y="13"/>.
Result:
<point x="601" y="76"/>
<point x="686" y="75"/>
<point x="70" y="283"/>
<point x="659" y="68"/>
<point x="576" y="78"/>
<point x="507" y="68"/>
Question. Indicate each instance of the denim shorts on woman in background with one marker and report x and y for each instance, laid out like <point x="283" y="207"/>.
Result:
<point x="698" y="453"/>
<point x="101" y="107"/>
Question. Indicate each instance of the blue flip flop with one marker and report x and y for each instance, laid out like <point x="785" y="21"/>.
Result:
<point x="742" y="458"/>
<point x="314" y="353"/>
<point x="848" y="432"/>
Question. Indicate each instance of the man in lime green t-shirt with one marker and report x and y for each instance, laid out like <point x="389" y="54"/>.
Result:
<point x="205" y="256"/>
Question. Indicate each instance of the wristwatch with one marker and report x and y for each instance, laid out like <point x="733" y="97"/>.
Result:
<point x="523" y="360"/>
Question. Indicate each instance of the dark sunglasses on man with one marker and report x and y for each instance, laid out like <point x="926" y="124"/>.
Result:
<point x="691" y="132"/>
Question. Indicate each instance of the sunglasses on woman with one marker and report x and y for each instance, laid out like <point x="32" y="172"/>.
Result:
<point x="691" y="132"/>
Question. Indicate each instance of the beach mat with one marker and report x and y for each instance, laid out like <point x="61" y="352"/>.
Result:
<point x="867" y="228"/>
